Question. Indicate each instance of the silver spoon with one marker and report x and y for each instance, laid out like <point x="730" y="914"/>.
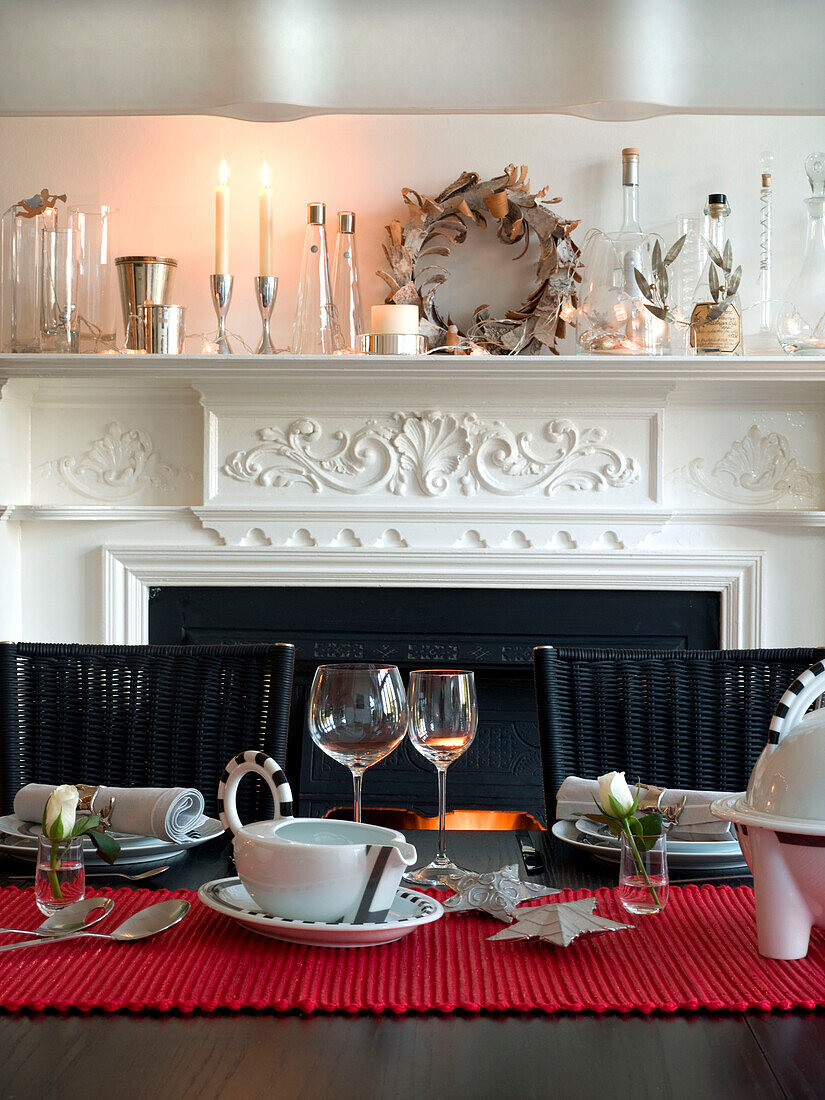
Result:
<point x="70" y="919"/>
<point x="146" y="922"/>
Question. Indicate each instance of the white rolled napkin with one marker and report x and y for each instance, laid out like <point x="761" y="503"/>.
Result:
<point x="168" y="813"/>
<point x="575" y="799"/>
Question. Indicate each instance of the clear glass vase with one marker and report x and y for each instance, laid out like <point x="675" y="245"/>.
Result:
<point x="346" y="293"/>
<point x="97" y="286"/>
<point x="59" y="272"/>
<point x="315" y="331"/>
<point x="801" y="320"/>
<point x="643" y="876"/>
<point x="60" y="878"/>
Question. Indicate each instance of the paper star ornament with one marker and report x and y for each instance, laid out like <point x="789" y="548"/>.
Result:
<point x="494" y="892"/>
<point x="559" y="923"/>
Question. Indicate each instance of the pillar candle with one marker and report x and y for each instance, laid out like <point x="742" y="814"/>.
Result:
<point x="266" y="263"/>
<point x="394" y="319"/>
<point x="222" y="223"/>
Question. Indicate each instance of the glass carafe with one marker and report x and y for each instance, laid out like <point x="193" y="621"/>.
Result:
<point x="346" y="293"/>
<point x="613" y="317"/>
<point x="801" y="321"/>
<point x="315" y="331"/>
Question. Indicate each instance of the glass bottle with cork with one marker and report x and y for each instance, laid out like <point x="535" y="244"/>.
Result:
<point x="716" y="317"/>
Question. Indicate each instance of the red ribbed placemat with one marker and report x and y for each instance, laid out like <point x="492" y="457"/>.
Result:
<point x="700" y="953"/>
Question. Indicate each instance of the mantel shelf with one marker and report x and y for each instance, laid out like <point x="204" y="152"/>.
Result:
<point x="627" y="370"/>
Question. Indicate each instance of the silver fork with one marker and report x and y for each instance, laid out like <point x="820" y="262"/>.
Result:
<point x="103" y="874"/>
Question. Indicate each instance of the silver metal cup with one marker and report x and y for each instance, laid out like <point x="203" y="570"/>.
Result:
<point x="164" y="328"/>
<point x="142" y="279"/>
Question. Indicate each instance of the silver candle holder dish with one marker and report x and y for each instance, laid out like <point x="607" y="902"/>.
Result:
<point x="221" y="286"/>
<point x="266" y="291"/>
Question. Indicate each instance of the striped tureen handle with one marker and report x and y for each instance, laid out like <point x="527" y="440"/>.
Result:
<point x="808" y="685"/>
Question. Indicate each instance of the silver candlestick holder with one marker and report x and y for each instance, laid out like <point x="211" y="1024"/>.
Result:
<point x="221" y="297"/>
<point x="266" y="291"/>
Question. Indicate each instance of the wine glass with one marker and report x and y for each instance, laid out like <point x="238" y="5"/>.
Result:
<point x="357" y="714"/>
<point x="443" y="720"/>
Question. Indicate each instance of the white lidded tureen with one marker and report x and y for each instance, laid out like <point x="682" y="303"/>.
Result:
<point x="781" y="822"/>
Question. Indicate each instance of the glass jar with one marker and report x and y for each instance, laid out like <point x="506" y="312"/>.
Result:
<point x="643" y="876"/>
<point x="97" y="286"/>
<point x="20" y="282"/>
<point x="60" y="878"/>
<point x="613" y="318"/>
<point x="801" y="320"/>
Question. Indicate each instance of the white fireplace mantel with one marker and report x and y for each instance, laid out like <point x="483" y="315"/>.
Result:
<point x="118" y="474"/>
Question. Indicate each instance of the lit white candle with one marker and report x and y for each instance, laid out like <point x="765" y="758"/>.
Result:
<point x="266" y="226"/>
<point x="222" y="222"/>
<point x="397" y="320"/>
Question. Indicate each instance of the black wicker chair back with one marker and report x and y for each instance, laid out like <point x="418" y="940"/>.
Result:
<point x="155" y="715"/>
<point x="678" y="718"/>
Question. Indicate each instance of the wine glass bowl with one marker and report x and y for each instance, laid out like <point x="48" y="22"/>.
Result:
<point x="357" y="715"/>
<point x="443" y="717"/>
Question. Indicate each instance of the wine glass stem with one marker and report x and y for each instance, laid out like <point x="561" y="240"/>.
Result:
<point x="357" y="776"/>
<point x="442" y="812"/>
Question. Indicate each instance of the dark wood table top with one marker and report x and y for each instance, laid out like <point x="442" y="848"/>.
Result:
<point x="341" y="1057"/>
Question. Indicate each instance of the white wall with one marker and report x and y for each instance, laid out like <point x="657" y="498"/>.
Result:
<point x="160" y="174"/>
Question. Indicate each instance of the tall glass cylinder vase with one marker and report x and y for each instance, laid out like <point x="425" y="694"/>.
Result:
<point x="97" y="296"/>
<point x="315" y="331"/>
<point x="59" y="270"/>
<point x="346" y="292"/>
<point x="20" y="282"/>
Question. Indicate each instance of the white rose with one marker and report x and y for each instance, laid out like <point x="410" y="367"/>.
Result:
<point x="61" y="811"/>
<point x="614" y="794"/>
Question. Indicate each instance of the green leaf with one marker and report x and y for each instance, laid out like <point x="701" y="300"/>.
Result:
<point x="107" y="846"/>
<point x="651" y="830"/>
<point x="713" y="282"/>
<point x="635" y="826"/>
<point x="85" y="824"/>
<point x="675" y="249"/>
<point x="601" y="819"/>
<point x="642" y="284"/>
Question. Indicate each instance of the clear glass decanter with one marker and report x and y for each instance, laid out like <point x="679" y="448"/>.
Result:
<point x="613" y="317"/>
<point x="801" y="321"/>
<point x="722" y="334"/>
<point x="315" y="331"/>
<point x="346" y="294"/>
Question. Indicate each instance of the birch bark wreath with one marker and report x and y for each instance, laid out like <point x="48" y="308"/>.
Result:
<point x="437" y="225"/>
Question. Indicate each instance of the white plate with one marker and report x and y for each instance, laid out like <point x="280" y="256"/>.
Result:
<point x="727" y="847"/>
<point x="409" y="911"/>
<point x="19" y="839"/>
<point x="567" y="832"/>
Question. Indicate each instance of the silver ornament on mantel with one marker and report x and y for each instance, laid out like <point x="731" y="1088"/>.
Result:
<point x="494" y="892"/>
<point x="559" y="923"/>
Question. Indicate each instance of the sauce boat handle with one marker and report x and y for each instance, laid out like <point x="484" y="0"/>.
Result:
<point x="233" y="773"/>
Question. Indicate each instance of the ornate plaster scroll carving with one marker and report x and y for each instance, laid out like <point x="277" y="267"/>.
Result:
<point x="432" y="452"/>
<point x="758" y="469"/>
<point x="119" y="465"/>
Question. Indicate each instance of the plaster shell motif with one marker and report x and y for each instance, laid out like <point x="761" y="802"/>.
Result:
<point x="118" y="466"/>
<point x="430" y="453"/>
<point x="758" y="469"/>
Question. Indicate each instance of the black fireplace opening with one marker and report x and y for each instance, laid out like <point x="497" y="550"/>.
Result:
<point x="489" y="630"/>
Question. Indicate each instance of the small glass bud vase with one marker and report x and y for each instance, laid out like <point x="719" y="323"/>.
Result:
<point x="643" y="875"/>
<point x="60" y="878"/>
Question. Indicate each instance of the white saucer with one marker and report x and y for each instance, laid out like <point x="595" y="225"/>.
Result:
<point x="723" y="846"/>
<point x="19" y="839"/>
<point x="409" y="911"/>
<point x="608" y="851"/>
